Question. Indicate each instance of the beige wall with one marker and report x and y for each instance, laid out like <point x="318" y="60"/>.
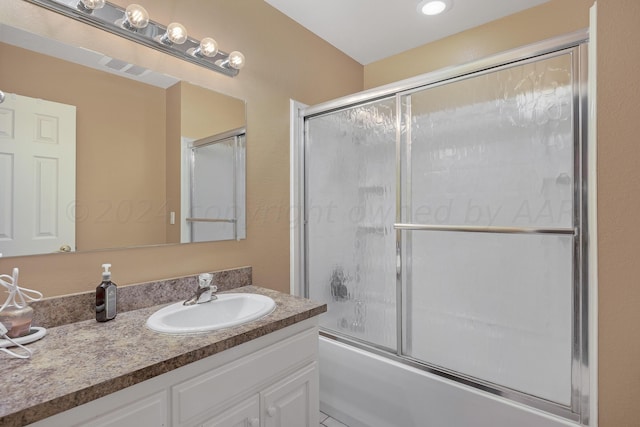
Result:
<point x="205" y="113"/>
<point x="550" y="19"/>
<point x="618" y="41"/>
<point x="283" y="61"/>
<point x="174" y="149"/>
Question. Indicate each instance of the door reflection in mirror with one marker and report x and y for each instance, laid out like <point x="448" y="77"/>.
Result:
<point x="37" y="175"/>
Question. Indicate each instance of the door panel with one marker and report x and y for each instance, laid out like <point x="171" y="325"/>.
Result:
<point x="496" y="151"/>
<point x="350" y="180"/>
<point x="505" y="318"/>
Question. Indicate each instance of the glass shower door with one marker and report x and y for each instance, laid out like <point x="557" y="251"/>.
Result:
<point x="217" y="189"/>
<point x="350" y="161"/>
<point x="488" y="226"/>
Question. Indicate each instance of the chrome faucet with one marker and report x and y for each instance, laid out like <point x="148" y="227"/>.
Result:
<point x="205" y="291"/>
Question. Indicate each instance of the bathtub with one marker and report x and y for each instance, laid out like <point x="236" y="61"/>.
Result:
<point x="363" y="389"/>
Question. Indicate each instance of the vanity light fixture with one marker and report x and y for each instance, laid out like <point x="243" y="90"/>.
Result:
<point x="134" y="24"/>
<point x="434" y="7"/>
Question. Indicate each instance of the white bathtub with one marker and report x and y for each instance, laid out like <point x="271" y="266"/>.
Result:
<point x="362" y="389"/>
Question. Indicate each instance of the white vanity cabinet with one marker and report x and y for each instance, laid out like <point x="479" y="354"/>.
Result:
<point x="271" y="381"/>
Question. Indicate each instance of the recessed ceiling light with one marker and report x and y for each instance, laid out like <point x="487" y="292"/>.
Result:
<point x="434" y="7"/>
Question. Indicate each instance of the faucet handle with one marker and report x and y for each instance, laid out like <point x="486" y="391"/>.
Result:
<point x="204" y="280"/>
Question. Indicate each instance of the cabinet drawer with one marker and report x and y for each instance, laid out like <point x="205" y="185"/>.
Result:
<point x="203" y="395"/>
<point x="148" y="412"/>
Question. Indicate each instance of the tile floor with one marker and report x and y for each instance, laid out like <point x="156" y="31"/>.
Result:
<point x="327" y="421"/>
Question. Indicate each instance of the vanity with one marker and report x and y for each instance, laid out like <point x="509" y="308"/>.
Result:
<point x="121" y="373"/>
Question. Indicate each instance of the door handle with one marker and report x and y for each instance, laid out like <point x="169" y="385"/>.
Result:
<point x="398" y="260"/>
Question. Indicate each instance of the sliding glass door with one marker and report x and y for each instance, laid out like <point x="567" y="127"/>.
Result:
<point x="444" y="226"/>
<point x="350" y="212"/>
<point x="489" y="231"/>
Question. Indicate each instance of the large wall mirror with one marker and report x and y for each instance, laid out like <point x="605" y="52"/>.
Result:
<point x="125" y="179"/>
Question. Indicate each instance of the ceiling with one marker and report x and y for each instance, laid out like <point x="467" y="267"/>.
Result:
<point x="370" y="30"/>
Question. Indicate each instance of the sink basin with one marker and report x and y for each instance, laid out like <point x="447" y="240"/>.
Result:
<point x="228" y="310"/>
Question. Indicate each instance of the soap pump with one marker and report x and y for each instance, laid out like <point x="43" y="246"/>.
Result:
<point x="106" y="296"/>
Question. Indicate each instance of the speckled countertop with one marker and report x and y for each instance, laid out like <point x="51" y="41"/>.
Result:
<point x="78" y="362"/>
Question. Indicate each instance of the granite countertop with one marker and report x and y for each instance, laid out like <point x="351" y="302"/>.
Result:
<point x="78" y="362"/>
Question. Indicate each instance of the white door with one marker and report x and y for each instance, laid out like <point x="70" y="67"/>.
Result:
<point x="37" y="176"/>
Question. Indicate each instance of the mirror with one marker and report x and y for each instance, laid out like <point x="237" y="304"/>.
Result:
<point x="131" y="125"/>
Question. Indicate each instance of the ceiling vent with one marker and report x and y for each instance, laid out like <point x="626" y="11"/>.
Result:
<point x="123" y="67"/>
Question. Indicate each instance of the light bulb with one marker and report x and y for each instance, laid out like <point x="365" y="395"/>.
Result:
<point x="208" y="47"/>
<point x="176" y="33"/>
<point x="236" y="60"/>
<point x="433" y="7"/>
<point x="90" y="5"/>
<point x="136" y="17"/>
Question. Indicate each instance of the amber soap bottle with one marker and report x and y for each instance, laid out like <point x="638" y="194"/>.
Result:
<point x="106" y="296"/>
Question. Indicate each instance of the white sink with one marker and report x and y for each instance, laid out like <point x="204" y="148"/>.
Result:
<point x="228" y="310"/>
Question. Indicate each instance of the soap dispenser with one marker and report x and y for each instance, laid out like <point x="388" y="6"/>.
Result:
<point x="106" y="296"/>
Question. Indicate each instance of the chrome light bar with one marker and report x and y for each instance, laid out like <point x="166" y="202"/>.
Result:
<point x="111" y="18"/>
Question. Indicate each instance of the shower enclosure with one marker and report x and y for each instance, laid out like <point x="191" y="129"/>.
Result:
<point x="445" y="224"/>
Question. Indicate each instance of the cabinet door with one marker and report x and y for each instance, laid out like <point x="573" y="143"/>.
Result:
<point x="293" y="402"/>
<point x="244" y="414"/>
